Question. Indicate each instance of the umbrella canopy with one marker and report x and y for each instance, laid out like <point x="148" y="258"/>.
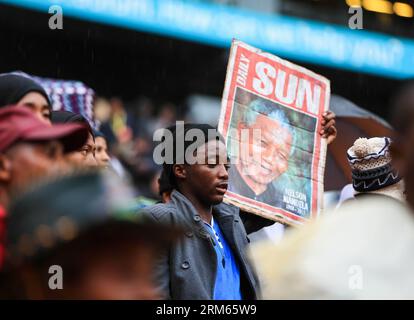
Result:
<point x="352" y="123"/>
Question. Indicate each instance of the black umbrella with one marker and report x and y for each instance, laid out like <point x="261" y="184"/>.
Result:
<point x="352" y="122"/>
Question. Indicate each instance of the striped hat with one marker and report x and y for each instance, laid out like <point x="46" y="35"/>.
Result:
<point x="370" y="161"/>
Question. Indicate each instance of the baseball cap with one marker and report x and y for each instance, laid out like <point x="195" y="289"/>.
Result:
<point x="20" y="124"/>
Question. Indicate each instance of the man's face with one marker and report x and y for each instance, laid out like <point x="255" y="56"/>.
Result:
<point x="25" y="163"/>
<point x="270" y="147"/>
<point x="208" y="178"/>
<point x="38" y="104"/>
<point x="101" y="152"/>
<point x="84" y="157"/>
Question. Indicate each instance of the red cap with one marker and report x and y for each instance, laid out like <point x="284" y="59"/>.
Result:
<point x="20" y="124"/>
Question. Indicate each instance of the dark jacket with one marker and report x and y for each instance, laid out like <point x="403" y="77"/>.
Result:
<point x="187" y="269"/>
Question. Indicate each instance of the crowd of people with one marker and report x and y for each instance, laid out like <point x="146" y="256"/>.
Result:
<point x="89" y="199"/>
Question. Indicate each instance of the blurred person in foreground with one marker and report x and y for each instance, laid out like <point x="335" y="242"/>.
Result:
<point x="84" y="225"/>
<point x="210" y="262"/>
<point x="84" y="157"/>
<point x="30" y="149"/>
<point x="363" y="251"/>
<point x="347" y="193"/>
<point x="372" y="169"/>
<point x="21" y="90"/>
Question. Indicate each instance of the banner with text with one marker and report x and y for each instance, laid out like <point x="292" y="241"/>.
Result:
<point x="271" y="117"/>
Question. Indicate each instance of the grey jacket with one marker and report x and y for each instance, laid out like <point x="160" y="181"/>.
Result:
<point x="187" y="269"/>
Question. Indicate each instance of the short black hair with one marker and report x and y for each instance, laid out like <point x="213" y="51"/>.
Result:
<point x="61" y="116"/>
<point x="164" y="183"/>
<point x="98" y="133"/>
<point x="179" y="132"/>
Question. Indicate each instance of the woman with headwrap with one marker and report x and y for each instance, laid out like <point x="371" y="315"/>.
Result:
<point x="20" y="89"/>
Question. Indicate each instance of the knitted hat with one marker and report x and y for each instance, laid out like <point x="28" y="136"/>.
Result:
<point x="14" y="86"/>
<point x="370" y="161"/>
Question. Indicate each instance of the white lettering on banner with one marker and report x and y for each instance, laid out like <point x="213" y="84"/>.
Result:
<point x="324" y="43"/>
<point x="280" y="87"/>
<point x="282" y="35"/>
<point x="145" y="9"/>
<point x="243" y="70"/>
<point x="305" y="92"/>
<point x="296" y="201"/>
<point x="263" y="84"/>
<point x="369" y="52"/>
<point x="178" y="14"/>
<point x="293" y="91"/>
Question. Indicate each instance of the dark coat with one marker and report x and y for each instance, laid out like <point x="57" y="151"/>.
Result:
<point x="187" y="269"/>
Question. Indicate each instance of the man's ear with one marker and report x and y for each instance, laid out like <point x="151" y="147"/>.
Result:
<point x="5" y="168"/>
<point x="180" y="171"/>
